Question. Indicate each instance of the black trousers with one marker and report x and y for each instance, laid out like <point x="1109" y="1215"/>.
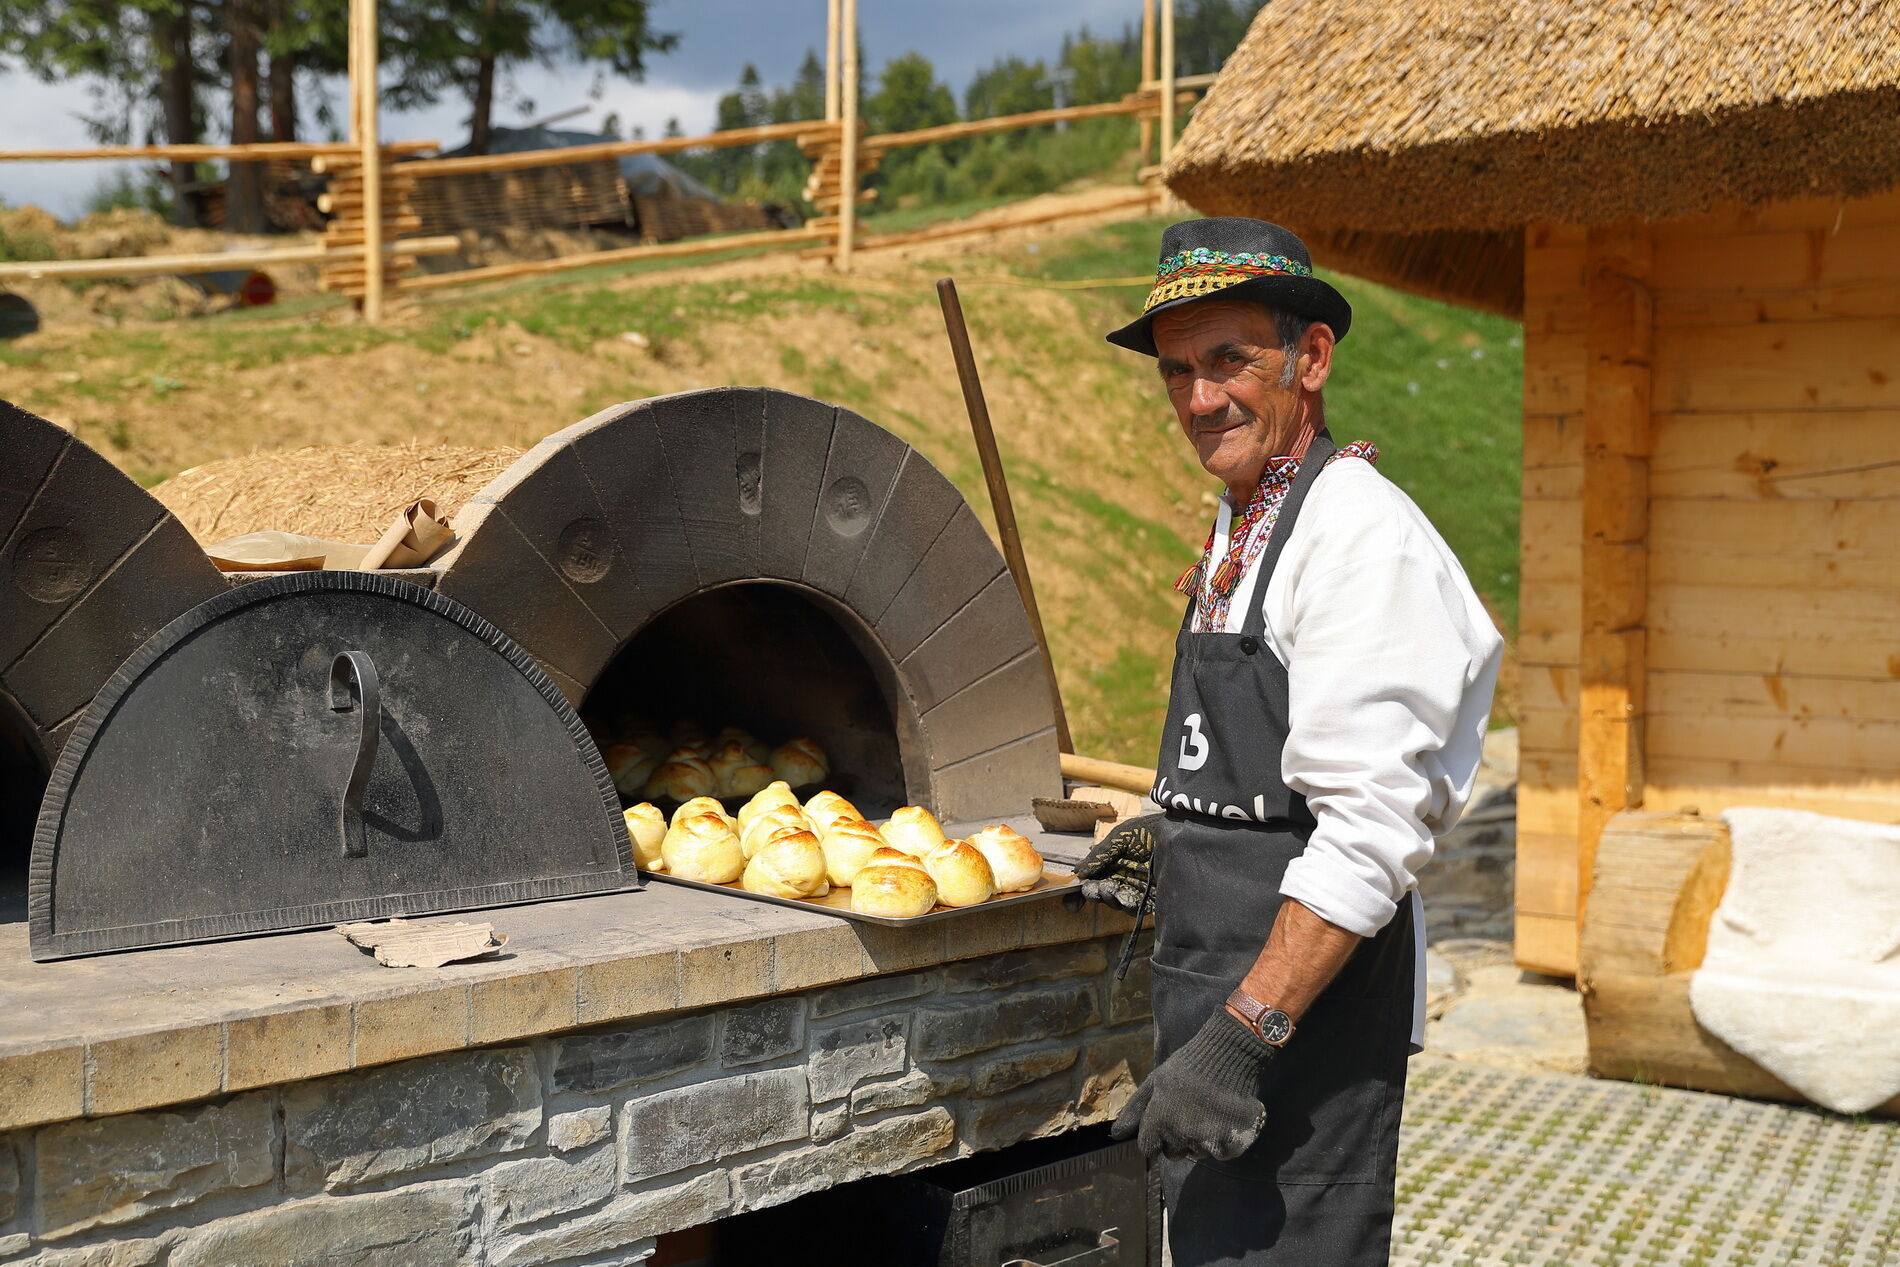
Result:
<point x="1316" y="1190"/>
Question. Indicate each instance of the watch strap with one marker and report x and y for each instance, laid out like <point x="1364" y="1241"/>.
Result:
<point x="1252" y="1011"/>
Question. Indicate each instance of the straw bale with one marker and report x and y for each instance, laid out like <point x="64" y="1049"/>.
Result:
<point x="1486" y="115"/>
<point x="346" y="493"/>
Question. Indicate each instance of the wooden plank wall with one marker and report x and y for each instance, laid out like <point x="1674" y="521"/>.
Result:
<point x="1773" y="591"/>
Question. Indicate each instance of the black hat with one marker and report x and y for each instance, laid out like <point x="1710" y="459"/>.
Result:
<point x="1234" y="258"/>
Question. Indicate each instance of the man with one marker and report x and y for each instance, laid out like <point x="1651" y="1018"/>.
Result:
<point x="1332" y="683"/>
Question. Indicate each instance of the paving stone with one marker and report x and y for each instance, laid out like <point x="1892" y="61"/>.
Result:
<point x="140" y="1071"/>
<point x="797" y="443"/>
<point x="876" y="1148"/>
<point x="518" y="1192"/>
<point x="844" y="1055"/>
<point x="722" y="973"/>
<point x="670" y="1131"/>
<point x="997" y="709"/>
<point x="101" y="1171"/>
<point x="960" y="564"/>
<point x="42" y="1086"/>
<point x="914" y="1088"/>
<point x="133" y="1253"/>
<point x="1044" y="1108"/>
<point x="700" y="435"/>
<point x="877" y="992"/>
<point x="1019" y="1069"/>
<point x="604" y="1060"/>
<point x="568" y="1132"/>
<point x="521" y="1004"/>
<point x="982" y="1023"/>
<point x="1112" y="1067"/>
<point x="364" y="1126"/>
<point x="619" y="1225"/>
<point x="633" y="985"/>
<point x="405" y="1025"/>
<point x="828" y="1124"/>
<point x="859" y="473"/>
<point x="279" y="1047"/>
<point x="897" y="949"/>
<point x="13" y="1243"/>
<point x="1050" y="963"/>
<point x="914" y="516"/>
<point x="763" y="1031"/>
<point x="430" y="1225"/>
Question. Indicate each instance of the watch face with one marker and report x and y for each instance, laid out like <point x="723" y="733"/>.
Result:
<point x="1276" y="1027"/>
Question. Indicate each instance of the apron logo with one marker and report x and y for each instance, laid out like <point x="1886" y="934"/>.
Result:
<point x="1194" y="745"/>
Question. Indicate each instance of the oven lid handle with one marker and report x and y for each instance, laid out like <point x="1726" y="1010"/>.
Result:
<point x="354" y="685"/>
<point x="1102" y="1253"/>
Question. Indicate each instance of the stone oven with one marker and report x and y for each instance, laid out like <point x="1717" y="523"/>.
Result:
<point x="652" y="1072"/>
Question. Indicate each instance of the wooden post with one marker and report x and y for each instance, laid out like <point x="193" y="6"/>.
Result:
<point x="848" y="173"/>
<point x="1167" y="79"/>
<point x="1147" y="75"/>
<point x="1619" y="337"/>
<point x="363" y="130"/>
<point x="831" y="61"/>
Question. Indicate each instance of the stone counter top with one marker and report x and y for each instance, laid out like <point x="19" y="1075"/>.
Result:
<point x="143" y="1029"/>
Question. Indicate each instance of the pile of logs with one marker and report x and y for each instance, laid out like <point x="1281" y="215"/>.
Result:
<point x="344" y="201"/>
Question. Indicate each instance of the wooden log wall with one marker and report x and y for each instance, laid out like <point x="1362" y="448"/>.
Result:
<point x="344" y="200"/>
<point x="1771" y="590"/>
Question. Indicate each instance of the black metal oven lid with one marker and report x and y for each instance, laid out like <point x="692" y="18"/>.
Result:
<point x="313" y="748"/>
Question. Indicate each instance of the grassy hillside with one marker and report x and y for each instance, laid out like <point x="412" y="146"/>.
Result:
<point x="1111" y="502"/>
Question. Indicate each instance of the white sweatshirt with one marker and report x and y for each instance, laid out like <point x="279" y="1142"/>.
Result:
<point x="1391" y="660"/>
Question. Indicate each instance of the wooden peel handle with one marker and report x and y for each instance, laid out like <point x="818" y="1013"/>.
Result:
<point x="1125" y="778"/>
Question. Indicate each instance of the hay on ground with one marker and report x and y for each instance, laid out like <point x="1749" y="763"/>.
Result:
<point x="343" y="493"/>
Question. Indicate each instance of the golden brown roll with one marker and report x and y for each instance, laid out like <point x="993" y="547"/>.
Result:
<point x="703" y="847"/>
<point x="681" y="777"/>
<point x="765" y="825"/>
<point x="962" y="874"/>
<point x="630" y="767"/>
<point x="736" y="773"/>
<point x="1014" y="861"/>
<point x="826" y="808"/>
<point x="702" y="805"/>
<point x="651" y="742"/>
<point x="771" y="794"/>
<point x="914" y="829"/>
<point x="800" y="762"/>
<point x="886" y="856"/>
<point x="849" y="844"/>
<point x="647" y="827"/>
<point x="790" y="864"/>
<point x="893" y="891"/>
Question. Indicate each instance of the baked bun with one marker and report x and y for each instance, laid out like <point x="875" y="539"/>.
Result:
<point x="647" y="828"/>
<point x="826" y="808"/>
<point x="702" y="805"/>
<point x="630" y="767"/>
<point x="914" y="829"/>
<point x="800" y="762"/>
<point x="849" y="844"/>
<point x="1014" y="861"/>
<point x="768" y="824"/>
<point x="681" y="777"/>
<point x="790" y="864"/>
<point x="963" y="876"/>
<point x="886" y="856"/>
<point x="649" y="741"/>
<point x="901" y="892"/>
<point x="703" y="847"/>
<point x="765" y="798"/>
<point x="736" y="773"/>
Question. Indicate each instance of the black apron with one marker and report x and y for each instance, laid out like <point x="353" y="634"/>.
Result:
<point x="1317" y="1188"/>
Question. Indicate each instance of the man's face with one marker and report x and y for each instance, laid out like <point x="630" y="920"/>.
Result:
<point x="1226" y="377"/>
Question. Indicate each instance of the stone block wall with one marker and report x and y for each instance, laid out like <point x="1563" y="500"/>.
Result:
<point x="580" y="1147"/>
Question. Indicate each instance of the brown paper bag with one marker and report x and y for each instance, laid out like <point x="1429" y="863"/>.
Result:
<point x="419" y="534"/>
<point x="273" y="551"/>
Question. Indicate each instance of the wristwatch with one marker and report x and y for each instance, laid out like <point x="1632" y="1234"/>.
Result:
<point x="1269" y="1024"/>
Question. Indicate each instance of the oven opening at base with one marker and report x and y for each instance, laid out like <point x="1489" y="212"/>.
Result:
<point x="22" y="786"/>
<point x="763" y="683"/>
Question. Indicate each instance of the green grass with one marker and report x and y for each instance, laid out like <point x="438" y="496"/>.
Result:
<point x="1438" y="388"/>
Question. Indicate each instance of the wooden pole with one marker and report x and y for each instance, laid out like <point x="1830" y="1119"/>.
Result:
<point x="1167" y="80"/>
<point x="1123" y="778"/>
<point x="1147" y="75"/>
<point x="221" y="261"/>
<point x="848" y="173"/>
<point x="993" y="475"/>
<point x="1612" y="668"/>
<point x="831" y="61"/>
<point x="363" y="115"/>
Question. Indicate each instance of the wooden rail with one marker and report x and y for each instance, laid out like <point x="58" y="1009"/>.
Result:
<point x="258" y="152"/>
<point x="621" y="255"/>
<point x="613" y="149"/>
<point x="217" y="261"/>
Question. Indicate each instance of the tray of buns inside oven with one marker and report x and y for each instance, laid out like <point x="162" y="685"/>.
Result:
<point x="821" y="854"/>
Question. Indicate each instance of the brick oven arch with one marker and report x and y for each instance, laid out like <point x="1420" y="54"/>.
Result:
<point x="600" y="528"/>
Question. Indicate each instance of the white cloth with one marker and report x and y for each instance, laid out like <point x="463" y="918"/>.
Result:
<point x="1391" y="660"/>
<point x="1802" y="971"/>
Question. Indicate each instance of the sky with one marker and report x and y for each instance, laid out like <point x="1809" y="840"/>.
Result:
<point x="717" y="39"/>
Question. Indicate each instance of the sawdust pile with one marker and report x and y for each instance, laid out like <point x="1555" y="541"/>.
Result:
<point x="343" y="493"/>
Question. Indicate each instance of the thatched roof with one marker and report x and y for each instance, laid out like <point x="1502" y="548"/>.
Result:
<point x="1486" y="115"/>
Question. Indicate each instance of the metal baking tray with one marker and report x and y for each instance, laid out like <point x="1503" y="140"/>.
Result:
<point x="1057" y="879"/>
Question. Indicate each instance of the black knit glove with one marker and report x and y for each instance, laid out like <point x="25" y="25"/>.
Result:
<point x="1204" y="1100"/>
<point x="1115" y="872"/>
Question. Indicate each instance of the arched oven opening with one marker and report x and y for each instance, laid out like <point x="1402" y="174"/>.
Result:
<point x="779" y="662"/>
<point x="23" y="775"/>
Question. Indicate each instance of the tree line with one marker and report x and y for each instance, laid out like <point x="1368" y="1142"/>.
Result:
<point x="155" y="64"/>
